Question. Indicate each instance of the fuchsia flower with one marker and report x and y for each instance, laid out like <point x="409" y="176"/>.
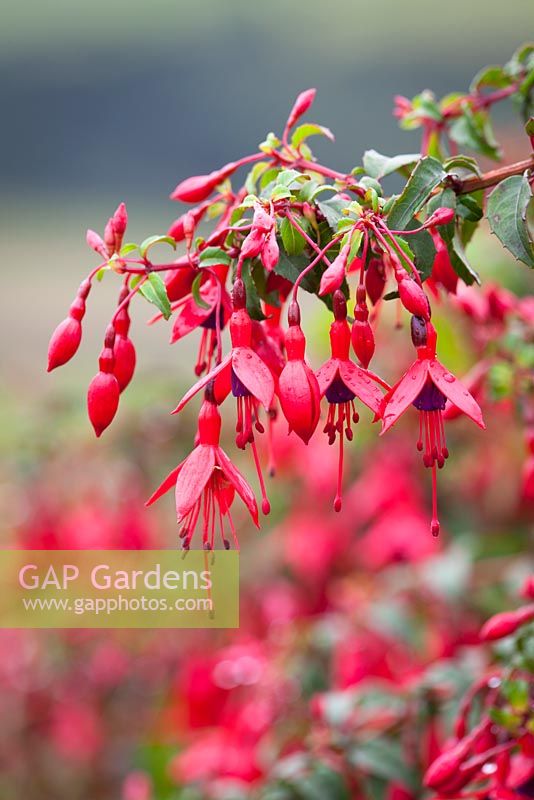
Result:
<point x="250" y="379"/>
<point x="428" y="385"/>
<point x="211" y="317"/>
<point x="206" y="482"/>
<point x="298" y="389"/>
<point x="341" y="381"/>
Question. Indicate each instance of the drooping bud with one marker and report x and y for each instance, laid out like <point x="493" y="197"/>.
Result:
<point x="177" y="230"/>
<point x="298" y="388"/>
<point x="179" y="281"/>
<point x="412" y="295"/>
<point x="333" y="276"/>
<point x="239" y="295"/>
<point x="253" y="243"/>
<point x="66" y="338"/>
<point x="506" y="623"/>
<point x="375" y="280"/>
<point x="301" y="105"/>
<point x="270" y="252"/>
<point x="103" y="393"/>
<point x="123" y="349"/>
<point x="419" y="331"/>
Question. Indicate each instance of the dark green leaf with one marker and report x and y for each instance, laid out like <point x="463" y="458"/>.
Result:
<point x="463" y="163"/>
<point x="426" y="176"/>
<point x="507" y="211"/>
<point x="459" y="261"/>
<point x="383" y="759"/>
<point x="211" y="256"/>
<point x="156" y="293"/>
<point x="290" y="267"/>
<point x="378" y="166"/>
<point x="292" y="240"/>
<point x="473" y="130"/>
<point x="253" y="298"/>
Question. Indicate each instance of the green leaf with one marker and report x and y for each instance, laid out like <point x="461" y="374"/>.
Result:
<point x="291" y="178"/>
<point x="507" y="211"/>
<point x="145" y="246"/>
<point x="383" y="758"/>
<point x="492" y="77"/>
<point x="309" y="129"/>
<point x="293" y="241"/>
<point x="156" y="293"/>
<point x="129" y="247"/>
<point x="378" y="166"/>
<point x="332" y="210"/>
<point x="529" y="127"/>
<point x="211" y="256"/>
<point x="195" y="291"/>
<point x="464" y="163"/>
<point x="270" y="143"/>
<point x="253" y="299"/>
<point x="517" y="693"/>
<point x="473" y="130"/>
<point x="459" y="261"/>
<point x="426" y="176"/>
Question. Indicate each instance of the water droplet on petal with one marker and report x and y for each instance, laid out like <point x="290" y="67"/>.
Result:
<point x="449" y="378"/>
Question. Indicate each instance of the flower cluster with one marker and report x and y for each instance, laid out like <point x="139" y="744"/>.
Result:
<point x="295" y="224"/>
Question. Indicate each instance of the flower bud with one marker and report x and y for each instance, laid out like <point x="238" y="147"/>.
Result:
<point x="178" y="281"/>
<point x="441" y="216"/>
<point x="123" y="351"/>
<point x="270" y="252"/>
<point x="253" y="243"/>
<point x="199" y="187"/>
<point x="120" y="220"/>
<point x="298" y="388"/>
<point x="501" y="625"/>
<point x="177" y="230"/>
<point x="375" y="280"/>
<point x="64" y="342"/>
<point x="412" y="296"/>
<point x="96" y="243"/>
<point x="363" y="341"/>
<point x="102" y="400"/>
<point x="333" y="276"/>
<point x="301" y="105"/>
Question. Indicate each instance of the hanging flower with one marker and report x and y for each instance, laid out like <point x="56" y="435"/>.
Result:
<point x="428" y="385"/>
<point x="298" y="389"/>
<point x="206" y="483"/>
<point x="341" y="381"/>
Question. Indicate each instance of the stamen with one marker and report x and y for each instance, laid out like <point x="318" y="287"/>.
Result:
<point x="434" y="525"/>
<point x="338" y="498"/>
<point x="265" y="505"/>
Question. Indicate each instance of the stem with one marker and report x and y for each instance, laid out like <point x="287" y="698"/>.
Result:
<point x="315" y="261"/>
<point x="490" y="178"/>
<point x="128" y="298"/>
<point x="305" y="236"/>
<point x="397" y="247"/>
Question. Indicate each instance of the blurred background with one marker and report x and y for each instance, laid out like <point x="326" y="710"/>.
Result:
<point x="106" y="101"/>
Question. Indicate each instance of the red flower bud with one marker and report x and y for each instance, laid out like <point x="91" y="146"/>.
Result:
<point x="501" y="625"/>
<point x="109" y="236"/>
<point x="64" y="342"/>
<point x="270" y="252"/>
<point x="375" y="280"/>
<point x="124" y="352"/>
<point x="446" y="768"/>
<point x="412" y="296"/>
<point x="177" y="231"/>
<point x="363" y="341"/>
<point x="253" y="244"/>
<point x="102" y="400"/>
<point x="441" y="216"/>
<point x="96" y="243"/>
<point x="301" y="105"/>
<point x="333" y="276"/>
<point x="442" y="269"/>
<point x="298" y="388"/>
<point x="120" y="220"/>
<point x="199" y="187"/>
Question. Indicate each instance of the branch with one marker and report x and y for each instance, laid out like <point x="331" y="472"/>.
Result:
<point x="490" y="178"/>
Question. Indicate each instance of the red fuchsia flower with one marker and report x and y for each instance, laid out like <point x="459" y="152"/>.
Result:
<point x="250" y="379"/>
<point x="341" y="381"/>
<point x="211" y="317"/>
<point x="103" y="393"/>
<point x="66" y="338"/>
<point x="428" y="385"/>
<point x="206" y="482"/>
<point x="298" y="389"/>
<point x="178" y="281"/>
<point x="507" y="623"/>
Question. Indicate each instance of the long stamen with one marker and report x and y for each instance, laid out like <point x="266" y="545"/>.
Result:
<point x="434" y="525"/>
<point x="265" y="505"/>
<point x="338" y="498"/>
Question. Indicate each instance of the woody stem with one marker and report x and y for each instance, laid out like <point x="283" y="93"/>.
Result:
<point x="490" y="178"/>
